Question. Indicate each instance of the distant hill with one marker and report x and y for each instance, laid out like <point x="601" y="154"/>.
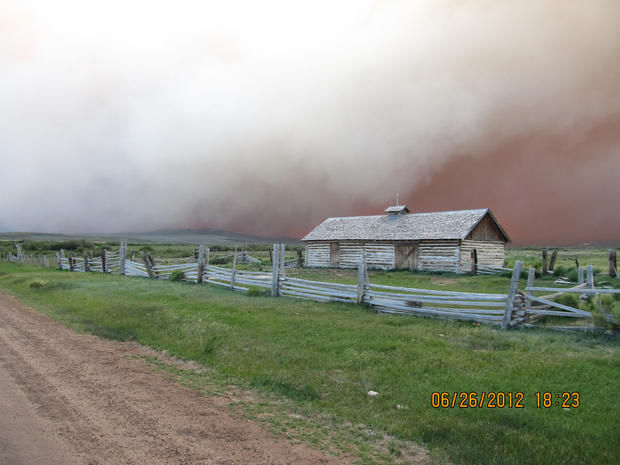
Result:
<point x="165" y="236"/>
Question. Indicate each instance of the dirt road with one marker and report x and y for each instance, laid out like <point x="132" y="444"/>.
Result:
<point x="68" y="398"/>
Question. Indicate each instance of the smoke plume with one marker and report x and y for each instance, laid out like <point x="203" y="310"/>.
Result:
<point x="266" y="117"/>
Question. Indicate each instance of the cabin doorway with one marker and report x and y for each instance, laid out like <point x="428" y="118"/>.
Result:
<point x="405" y="257"/>
<point x="334" y="254"/>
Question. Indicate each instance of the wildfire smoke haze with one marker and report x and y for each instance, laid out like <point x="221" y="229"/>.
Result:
<point x="267" y="117"/>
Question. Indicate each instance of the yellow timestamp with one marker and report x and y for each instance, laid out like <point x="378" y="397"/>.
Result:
<point x="560" y="399"/>
<point x="495" y="399"/>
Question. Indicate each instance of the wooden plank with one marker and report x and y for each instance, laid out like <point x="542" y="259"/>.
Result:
<point x="121" y="261"/>
<point x="320" y="298"/>
<point x="574" y="290"/>
<point x="320" y="283"/>
<point x="474" y="261"/>
<point x="544" y="262"/>
<point x="580" y="279"/>
<point x="324" y="291"/>
<point x="514" y="284"/>
<point x="590" y="276"/>
<point x="360" y="281"/>
<point x="554" y="256"/>
<point x="234" y="268"/>
<point x="396" y="304"/>
<point x="531" y="275"/>
<point x="414" y="300"/>
<point x="201" y="264"/>
<point x="437" y="292"/>
<point x="275" y="269"/>
<point x="551" y="303"/>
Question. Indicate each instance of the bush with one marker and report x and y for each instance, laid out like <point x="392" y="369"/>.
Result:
<point x="606" y="311"/>
<point x="570" y="300"/>
<point x="177" y="275"/>
<point x="572" y="275"/>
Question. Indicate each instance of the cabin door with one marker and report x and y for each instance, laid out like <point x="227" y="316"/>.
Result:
<point x="405" y="256"/>
<point x="334" y="254"/>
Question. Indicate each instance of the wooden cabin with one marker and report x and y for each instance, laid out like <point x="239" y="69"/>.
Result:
<point x="438" y="241"/>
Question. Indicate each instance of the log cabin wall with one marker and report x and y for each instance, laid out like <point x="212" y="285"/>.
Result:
<point x="490" y="253"/>
<point x="428" y="255"/>
<point x="318" y="254"/>
<point x="438" y="255"/>
<point x="378" y="255"/>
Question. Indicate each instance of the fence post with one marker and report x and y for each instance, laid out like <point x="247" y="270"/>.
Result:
<point x="148" y="262"/>
<point x="299" y="259"/>
<point x="86" y="264"/>
<point x="274" y="272"/>
<point x="531" y="274"/>
<point x="104" y="260"/>
<point x="362" y="280"/>
<point x="590" y="276"/>
<point x="201" y="264"/>
<point x="474" y="261"/>
<point x="544" y="262"/>
<point x="234" y="270"/>
<point x="554" y="255"/>
<point x="58" y="260"/>
<point x="206" y="276"/>
<point x="580" y="279"/>
<point x="122" y="252"/>
<point x="613" y="268"/>
<point x="45" y="262"/>
<point x="71" y="264"/>
<point x="282" y="260"/>
<point x="514" y="284"/>
<point x="281" y="273"/>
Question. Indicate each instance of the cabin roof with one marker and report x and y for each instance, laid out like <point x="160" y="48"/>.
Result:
<point x="412" y="227"/>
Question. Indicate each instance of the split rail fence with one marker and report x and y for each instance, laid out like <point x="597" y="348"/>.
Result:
<point x="514" y="308"/>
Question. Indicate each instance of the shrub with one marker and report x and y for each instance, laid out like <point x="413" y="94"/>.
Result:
<point x="571" y="300"/>
<point x="606" y="311"/>
<point x="177" y="275"/>
<point x="572" y="275"/>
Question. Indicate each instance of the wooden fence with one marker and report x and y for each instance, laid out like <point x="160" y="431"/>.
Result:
<point x="21" y="257"/>
<point x="515" y="308"/>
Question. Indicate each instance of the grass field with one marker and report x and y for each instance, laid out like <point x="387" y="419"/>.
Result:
<point x="311" y="366"/>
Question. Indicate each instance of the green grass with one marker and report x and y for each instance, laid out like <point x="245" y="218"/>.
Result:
<point x="320" y="360"/>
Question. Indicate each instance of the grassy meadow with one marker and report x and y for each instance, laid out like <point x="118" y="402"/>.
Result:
<point x="309" y="366"/>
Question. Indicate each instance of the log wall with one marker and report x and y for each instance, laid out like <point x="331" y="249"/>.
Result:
<point x="317" y="254"/>
<point x="429" y="255"/>
<point x="490" y="253"/>
<point x="377" y="255"/>
<point x="438" y="255"/>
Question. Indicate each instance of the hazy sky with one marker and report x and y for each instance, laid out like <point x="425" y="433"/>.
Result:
<point x="266" y="117"/>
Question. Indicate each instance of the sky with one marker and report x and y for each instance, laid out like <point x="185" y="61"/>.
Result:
<point x="267" y="117"/>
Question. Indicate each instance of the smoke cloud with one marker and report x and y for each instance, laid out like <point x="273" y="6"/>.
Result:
<point x="266" y="117"/>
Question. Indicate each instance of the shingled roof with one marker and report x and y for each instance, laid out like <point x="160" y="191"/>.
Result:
<point x="412" y="227"/>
